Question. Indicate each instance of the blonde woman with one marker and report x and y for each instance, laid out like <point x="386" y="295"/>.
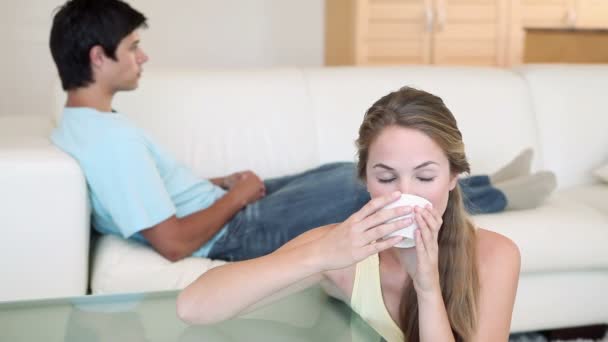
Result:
<point x="457" y="284"/>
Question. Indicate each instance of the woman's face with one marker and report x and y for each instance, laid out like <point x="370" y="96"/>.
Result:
<point x="407" y="160"/>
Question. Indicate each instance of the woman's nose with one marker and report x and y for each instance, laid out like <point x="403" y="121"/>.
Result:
<point x="405" y="187"/>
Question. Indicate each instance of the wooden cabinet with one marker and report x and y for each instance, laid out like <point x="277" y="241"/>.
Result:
<point x="394" y="32"/>
<point x="368" y="32"/>
<point x="545" y="13"/>
<point x="591" y="14"/>
<point x="571" y="14"/>
<point x="364" y="32"/>
<point x="567" y="16"/>
<point x="470" y="32"/>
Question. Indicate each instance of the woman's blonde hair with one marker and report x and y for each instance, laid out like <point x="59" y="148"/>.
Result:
<point x="417" y="109"/>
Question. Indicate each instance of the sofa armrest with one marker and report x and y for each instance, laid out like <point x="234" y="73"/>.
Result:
<point x="44" y="219"/>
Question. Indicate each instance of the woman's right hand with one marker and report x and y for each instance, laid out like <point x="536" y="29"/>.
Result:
<point x="361" y="235"/>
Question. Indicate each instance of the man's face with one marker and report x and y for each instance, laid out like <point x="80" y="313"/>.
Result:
<point x="124" y="73"/>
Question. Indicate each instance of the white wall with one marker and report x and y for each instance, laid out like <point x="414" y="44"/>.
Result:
<point x="183" y="33"/>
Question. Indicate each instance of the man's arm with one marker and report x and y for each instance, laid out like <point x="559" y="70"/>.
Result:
<point x="219" y="181"/>
<point x="177" y="238"/>
<point x="230" y="181"/>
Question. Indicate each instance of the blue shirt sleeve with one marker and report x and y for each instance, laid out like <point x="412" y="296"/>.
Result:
<point x="124" y="177"/>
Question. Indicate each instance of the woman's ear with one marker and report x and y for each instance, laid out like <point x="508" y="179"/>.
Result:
<point x="453" y="181"/>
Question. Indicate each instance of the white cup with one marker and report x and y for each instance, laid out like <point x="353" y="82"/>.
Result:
<point x="407" y="232"/>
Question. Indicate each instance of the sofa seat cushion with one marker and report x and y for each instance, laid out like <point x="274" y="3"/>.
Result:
<point x="594" y="195"/>
<point x="549" y="238"/>
<point x="564" y="234"/>
<point x="125" y="266"/>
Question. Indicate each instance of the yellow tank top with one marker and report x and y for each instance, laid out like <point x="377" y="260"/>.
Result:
<point x="366" y="300"/>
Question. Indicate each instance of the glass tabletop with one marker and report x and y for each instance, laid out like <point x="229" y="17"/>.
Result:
<point x="309" y="315"/>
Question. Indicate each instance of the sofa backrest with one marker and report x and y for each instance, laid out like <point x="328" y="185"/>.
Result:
<point x="571" y="106"/>
<point x="492" y="107"/>
<point x="223" y="121"/>
<point x="279" y="121"/>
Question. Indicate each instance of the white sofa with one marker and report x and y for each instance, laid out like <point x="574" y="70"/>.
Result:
<point x="279" y="121"/>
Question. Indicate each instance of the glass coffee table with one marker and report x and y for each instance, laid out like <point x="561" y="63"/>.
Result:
<point x="309" y="315"/>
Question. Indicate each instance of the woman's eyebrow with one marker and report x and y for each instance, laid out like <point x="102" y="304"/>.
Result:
<point x="425" y="164"/>
<point x="384" y="166"/>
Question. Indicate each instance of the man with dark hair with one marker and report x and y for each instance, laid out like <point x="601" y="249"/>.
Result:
<point x="84" y="32"/>
<point x="139" y="191"/>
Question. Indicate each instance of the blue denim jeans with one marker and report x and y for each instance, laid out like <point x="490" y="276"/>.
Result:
<point x="480" y="196"/>
<point x="324" y="195"/>
<point x="292" y="205"/>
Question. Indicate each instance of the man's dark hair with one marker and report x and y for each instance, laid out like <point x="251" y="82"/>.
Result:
<point x="79" y="25"/>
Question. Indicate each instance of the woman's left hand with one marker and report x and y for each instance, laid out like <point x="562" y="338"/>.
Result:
<point x="422" y="261"/>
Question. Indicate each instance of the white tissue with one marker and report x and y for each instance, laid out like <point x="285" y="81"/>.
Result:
<point x="407" y="232"/>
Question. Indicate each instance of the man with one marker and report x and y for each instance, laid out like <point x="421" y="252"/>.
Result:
<point x="139" y="191"/>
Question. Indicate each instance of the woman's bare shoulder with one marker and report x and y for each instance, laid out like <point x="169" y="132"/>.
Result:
<point x="496" y="250"/>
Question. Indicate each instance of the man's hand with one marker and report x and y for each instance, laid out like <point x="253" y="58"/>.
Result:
<point x="228" y="182"/>
<point x="247" y="187"/>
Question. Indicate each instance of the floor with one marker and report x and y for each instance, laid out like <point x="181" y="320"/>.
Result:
<point x="595" y="333"/>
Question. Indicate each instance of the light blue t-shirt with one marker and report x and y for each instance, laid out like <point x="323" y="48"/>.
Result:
<point x="133" y="184"/>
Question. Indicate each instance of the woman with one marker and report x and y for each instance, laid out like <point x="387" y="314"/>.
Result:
<point x="457" y="284"/>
